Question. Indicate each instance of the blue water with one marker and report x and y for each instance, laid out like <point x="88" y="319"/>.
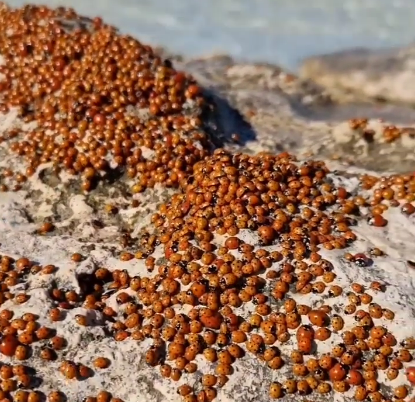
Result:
<point x="277" y="31"/>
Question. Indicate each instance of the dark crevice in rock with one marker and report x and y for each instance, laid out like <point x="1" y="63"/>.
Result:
<point x="224" y="121"/>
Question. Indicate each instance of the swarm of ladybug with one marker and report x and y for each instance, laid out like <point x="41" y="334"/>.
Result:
<point x="208" y="268"/>
<point x="81" y="84"/>
<point x="217" y="295"/>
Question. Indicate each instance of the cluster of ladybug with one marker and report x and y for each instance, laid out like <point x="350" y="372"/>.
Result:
<point x="24" y="338"/>
<point x="85" y="87"/>
<point x="243" y="298"/>
<point x="214" y="297"/>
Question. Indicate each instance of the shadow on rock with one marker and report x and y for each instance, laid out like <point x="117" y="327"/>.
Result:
<point x="225" y="123"/>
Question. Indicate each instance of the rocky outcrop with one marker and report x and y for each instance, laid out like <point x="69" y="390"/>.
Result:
<point x="382" y="75"/>
<point x="331" y="229"/>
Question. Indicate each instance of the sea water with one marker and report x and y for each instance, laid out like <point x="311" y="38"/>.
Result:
<point x="277" y="31"/>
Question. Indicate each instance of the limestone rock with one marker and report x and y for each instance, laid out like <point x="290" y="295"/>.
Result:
<point x="387" y="74"/>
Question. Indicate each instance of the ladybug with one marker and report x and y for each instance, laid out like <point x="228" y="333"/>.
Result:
<point x="300" y="370"/>
<point x="210" y="393"/>
<point x="303" y="387"/>
<point x="354" y="377"/>
<point x="360" y="393"/>
<point x="305" y="332"/>
<point x="408" y="343"/>
<point x="269" y="354"/>
<point x="366" y="298"/>
<point x="276" y="363"/>
<point x="190" y="367"/>
<point x="322" y="334"/>
<point x="211" y="319"/>
<point x="296" y="356"/>
<point x="377" y="332"/>
<point x="225" y="357"/>
<point x="375" y="310"/>
<point x="380" y="361"/>
<point x="388" y="314"/>
<point x="21" y="396"/>
<point x="329" y="277"/>
<point x="175" y="374"/>
<point x="389" y="339"/>
<point x="235" y="351"/>
<point x="34" y="396"/>
<point x="340" y="386"/>
<point x="69" y="369"/>
<point x="337" y="323"/>
<point x="312" y="382"/>
<point x="267" y="326"/>
<point x="184" y="390"/>
<point x="392" y="374"/>
<point x="400" y="392"/>
<point x="375" y="396"/>
<point x="338" y="372"/>
<point x="303" y="309"/>
<point x="239" y="336"/>
<point x="290" y="386"/>
<point x="372" y="385"/>
<point x="305" y="345"/>
<point x="348" y="337"/>
<point x="404" y="355"/>
<point x="313" y="364"/>
<point x="56" y="396"/>
<point x="276" y="390"/>
<point x="366" y="322"/>
<point x="360" y="332"/>
<point x="348" y="358"/>
<point x="318" y="287"/>
<point x="290" y="305"/>
<point x="410" y="375"/>
<point x="335" y="291"/>
<point x="323" y="388"/>
<point x="361" y="260"/>
<point x="361" y="344"/>
<point x="318" y="318"/>
<point x="377" y="286"/>
<point x="224" y="369"/>
<point x="222" y="380"/>
<point x="8" y="345"/>
<point x="357" y="287"/>
<point x="263" y="309"/>
<point x="101" y="362"/>
<point x="209" y="380"/>
<point x="320" y="374"/>
<point x="210" y="354"/>
<point x="350" y="309"/>
<point x="326" y="362"/>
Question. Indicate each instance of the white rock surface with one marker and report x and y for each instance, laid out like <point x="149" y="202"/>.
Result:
<point x="128" y="377"/>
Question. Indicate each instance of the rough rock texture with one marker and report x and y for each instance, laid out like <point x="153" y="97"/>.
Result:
<point x="269" y="110"/>
<point x="274" y="110"/>
<point x="129" y="377"/>
<point x="386" y="75"/>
